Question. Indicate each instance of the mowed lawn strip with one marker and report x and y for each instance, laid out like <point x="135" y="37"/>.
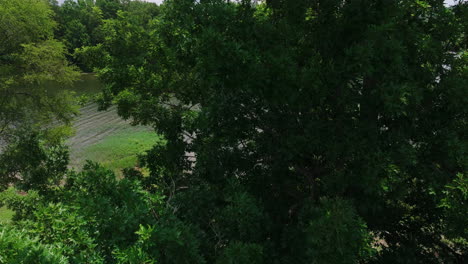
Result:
<point x="121" y="149"/>
<point x="104" y="137"/>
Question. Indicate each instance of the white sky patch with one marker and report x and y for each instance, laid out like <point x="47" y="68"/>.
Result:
<point x="450" y="2"/>
<point x="447" y="2"/>
<point x="155" y="1"/>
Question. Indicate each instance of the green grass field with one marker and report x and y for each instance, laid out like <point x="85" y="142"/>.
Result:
<point x="120" y="150"/>
<point x="102" y="136"/>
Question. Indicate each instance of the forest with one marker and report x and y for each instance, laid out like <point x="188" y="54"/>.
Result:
<point x="233" y="132"/>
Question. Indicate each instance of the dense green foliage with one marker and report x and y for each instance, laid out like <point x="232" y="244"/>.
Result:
<point x="81" y="25"/>
<point x="16" y="247"/>
<point x="95" y="218"/>
<point x="318" y="131"/>
<point x="40" y="166"/>
<point x="299" y="109"/>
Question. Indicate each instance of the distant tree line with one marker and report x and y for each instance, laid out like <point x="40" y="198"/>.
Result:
<point x="81" y="23"/>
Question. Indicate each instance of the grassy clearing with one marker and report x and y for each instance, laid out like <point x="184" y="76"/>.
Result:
<point x="5" y="215"/>
<point x="121" y="149"/>
<point x="102" y="136"/>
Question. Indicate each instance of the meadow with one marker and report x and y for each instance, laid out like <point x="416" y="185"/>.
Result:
<point x="102" y="136"/>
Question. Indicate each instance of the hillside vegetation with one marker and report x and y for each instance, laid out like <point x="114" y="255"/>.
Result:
<point x="234" y="132"/>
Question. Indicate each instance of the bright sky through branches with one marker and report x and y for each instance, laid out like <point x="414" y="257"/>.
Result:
<point x="448" y="2"/>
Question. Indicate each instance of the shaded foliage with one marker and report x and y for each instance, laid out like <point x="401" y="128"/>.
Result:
<point x="16" y="247"/>
<point x="294" y="102"/>
<point x="295" y="132"/>
<point x="30" y="164"/>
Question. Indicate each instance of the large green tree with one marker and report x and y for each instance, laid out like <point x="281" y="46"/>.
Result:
<point x="303" y="131"/>
<point x="29" y="58"/>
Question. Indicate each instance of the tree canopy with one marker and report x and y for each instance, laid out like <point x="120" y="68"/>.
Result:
<point x="318" y="131"/>
<point x="280" y="113"/>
